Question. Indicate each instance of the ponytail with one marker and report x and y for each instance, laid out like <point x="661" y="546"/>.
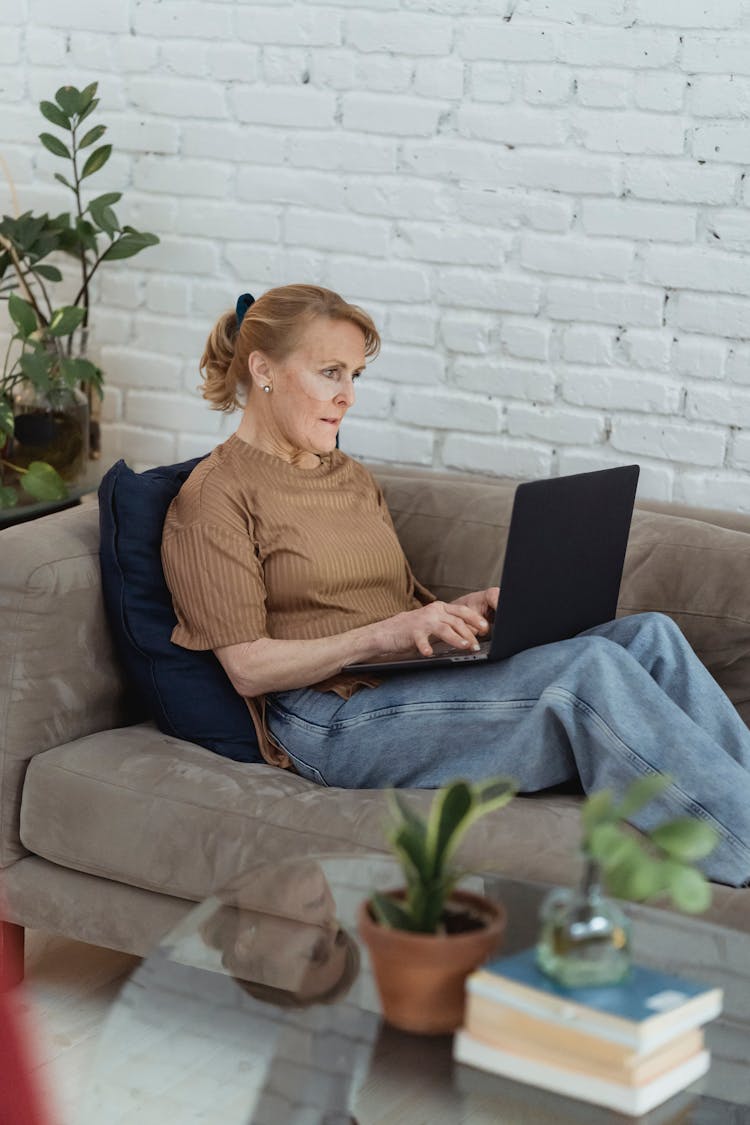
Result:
<point x="216" y="366"/>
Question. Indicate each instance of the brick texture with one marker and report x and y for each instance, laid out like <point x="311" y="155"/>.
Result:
<point x="547" y="214"/>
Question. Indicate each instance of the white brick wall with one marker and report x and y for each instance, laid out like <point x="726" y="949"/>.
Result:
<point x="543" y="204"/>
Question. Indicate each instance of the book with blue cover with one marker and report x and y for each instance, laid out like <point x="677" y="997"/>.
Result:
<point x="642" y="1012"/>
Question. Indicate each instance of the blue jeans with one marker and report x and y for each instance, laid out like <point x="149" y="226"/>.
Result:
<point x="619" y="701"/>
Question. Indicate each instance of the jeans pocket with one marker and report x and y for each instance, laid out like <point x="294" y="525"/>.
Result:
<point x="310" y="773"/>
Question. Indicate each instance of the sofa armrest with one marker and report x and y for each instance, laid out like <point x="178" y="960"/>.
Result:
<point x="59" y="679"/>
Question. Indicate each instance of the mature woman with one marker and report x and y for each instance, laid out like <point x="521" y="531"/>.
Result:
<point x="281" y="557"/>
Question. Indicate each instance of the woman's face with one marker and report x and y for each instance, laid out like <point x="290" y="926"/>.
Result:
<point x="312" y="389"/>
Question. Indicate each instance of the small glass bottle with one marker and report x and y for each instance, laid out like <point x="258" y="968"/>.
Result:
<point x="585" y="937"/>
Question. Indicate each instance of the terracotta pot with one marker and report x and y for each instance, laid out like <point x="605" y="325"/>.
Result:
<point x="420" y="977"/>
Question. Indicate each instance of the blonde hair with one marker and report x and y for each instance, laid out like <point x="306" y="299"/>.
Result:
<point x="274" y="325"/>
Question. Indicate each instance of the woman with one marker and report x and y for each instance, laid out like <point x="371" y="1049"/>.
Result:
<point x="281" y="557"/>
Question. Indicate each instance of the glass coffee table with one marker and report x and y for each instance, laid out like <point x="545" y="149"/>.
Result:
<point x="259" y="1008"/>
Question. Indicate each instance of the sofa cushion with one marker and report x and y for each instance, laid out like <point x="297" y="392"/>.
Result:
<point x="187" y="693"/>
<point x="146" y="810"/>
<point x="143" y="808"/>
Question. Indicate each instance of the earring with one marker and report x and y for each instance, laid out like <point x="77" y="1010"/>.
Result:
<point x="267" y="388"/>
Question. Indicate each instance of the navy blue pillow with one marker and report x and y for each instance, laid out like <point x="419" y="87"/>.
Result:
<point x="186" y="693"/>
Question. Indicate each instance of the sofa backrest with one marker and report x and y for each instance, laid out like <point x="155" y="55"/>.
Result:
<point x="58" y="676"/>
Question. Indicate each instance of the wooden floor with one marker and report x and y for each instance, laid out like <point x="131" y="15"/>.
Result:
<point x="68" y="990"/>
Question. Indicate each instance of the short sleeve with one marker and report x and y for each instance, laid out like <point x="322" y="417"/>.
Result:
<point x="216" y="582"/>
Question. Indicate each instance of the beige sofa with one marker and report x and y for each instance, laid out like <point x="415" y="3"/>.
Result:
<point x="109" y="831"/>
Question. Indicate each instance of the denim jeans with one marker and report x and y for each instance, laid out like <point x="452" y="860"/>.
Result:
<point x="612" y="704"/>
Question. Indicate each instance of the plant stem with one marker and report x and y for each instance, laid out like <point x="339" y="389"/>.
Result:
<point x="7" y="375"/>
<point x="8" y="245"/>
<point x="41" y="285"/>
<point x="83" y="291"/>
<point x="86" y="277"/>
<point x="10" y="465"/>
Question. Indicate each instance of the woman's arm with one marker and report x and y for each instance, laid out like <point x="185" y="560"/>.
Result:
<point x="266" y="665"/>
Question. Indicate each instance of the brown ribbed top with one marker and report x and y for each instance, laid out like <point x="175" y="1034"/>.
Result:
<point x="255" y="547"/>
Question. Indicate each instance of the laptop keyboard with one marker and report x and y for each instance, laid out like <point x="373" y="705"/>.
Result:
<point x="440" y="648"/>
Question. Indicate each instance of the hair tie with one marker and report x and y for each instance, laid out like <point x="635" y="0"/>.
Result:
<point x="243" y="304"/>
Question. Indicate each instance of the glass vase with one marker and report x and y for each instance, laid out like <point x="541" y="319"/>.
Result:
<point x="51" y="426"/>
<point x="584" y="938"/>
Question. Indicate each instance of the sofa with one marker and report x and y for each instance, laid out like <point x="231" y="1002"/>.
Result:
<point x="110" y="829"/>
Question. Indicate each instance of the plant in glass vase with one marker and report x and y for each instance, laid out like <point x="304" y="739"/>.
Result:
<point x="585" y="935"/>
<point x="48" y="385"/>
<point x="43" y="413"/>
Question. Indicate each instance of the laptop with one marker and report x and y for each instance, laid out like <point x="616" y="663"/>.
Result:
<point x="561" y="573"/>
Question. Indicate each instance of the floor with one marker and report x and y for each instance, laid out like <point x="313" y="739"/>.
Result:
<point x="69" y="988"/>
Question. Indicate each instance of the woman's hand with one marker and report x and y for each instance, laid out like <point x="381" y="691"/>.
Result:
<point x="457" y="623"/>
<point x="483" y="601"/>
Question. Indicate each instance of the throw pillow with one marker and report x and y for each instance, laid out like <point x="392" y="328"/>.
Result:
<point x="187" y="694"/>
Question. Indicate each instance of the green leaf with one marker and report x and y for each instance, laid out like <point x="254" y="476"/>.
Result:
<point x="610" y="845"/>
<point x="491" y="794"/>
<point x="596" y="809"/>
<point x="43" y="482"/>
<point x="640" y="792"/>
<point x="87" y="94"/>
<point x="390" y="914"/>
<point x="54" y="145"/>
<point x="688" y="888"/>
<point x="60" y="222"/>
<point x="86" y="233"/>
<point x="49" y="273"/>
<point x="105" y="219"/>
<point x="55" y="115"/>
<point x="97" y="160"/>
<point x="96" y="380"/>
<point x="6" y="417"/>
<point x="65" y="320"/>
<point x="22" y="314"/>
<point x="36" y="367"/>
<point x="686" y="838"/>
<point x="637" y="878"/>
<point x="129" y="244"/>
<point x="92" y="136"/>
<point x="89" y="110"/>
<point x="48" y="241"/>
<point x="106" y="200"/>
<point x="408" y="843"/>
<point x="69" y="100"/>
<point x="75" y="371"/>
<point x="8" y="498"/>
<point x="449" y="809"/>
<point x="62" y="180"/>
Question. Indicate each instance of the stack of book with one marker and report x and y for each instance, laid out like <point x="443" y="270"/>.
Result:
<point x="628" y="1046"/>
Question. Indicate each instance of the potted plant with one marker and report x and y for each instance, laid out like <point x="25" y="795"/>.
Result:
<point x="585" y="936"/>
<point x="47" y="386"/>
<point x="426" y="937"/>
